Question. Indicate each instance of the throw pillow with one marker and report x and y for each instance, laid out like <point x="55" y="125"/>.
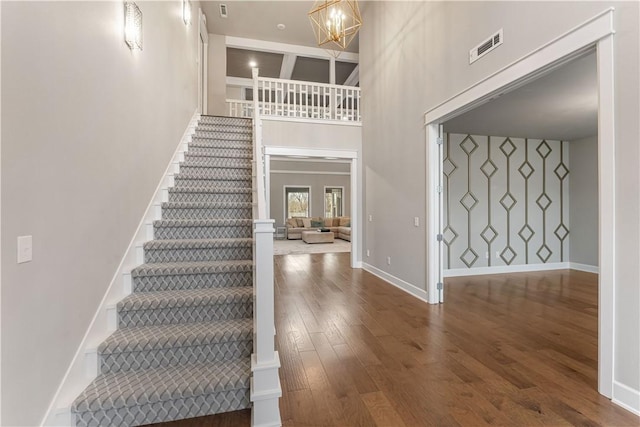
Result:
<point x="291" y="222"/>
<point x="336" y="222"/>
<point x="306" y="222"/>
<point x="348" y="224"/>
<point x="328" y="222"/>
<point x="315" y="224"/>
<point x="299" y="222"/>
<point x="344" y="220"/>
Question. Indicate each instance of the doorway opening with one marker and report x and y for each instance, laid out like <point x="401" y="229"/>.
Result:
<point x="596" y="33"/>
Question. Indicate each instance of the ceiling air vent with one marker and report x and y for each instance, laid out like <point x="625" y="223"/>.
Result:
<point x="223" y="10"/>
<point x="485" y="47"/>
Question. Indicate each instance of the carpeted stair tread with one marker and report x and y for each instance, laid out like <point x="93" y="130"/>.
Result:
<point x="210" y="147"/>
<point x="205" y="205"/>
<point x="189" y="228"/>
<point x="215" y="162"/>
<point x="202" y="222"/>
<point x="184" y="298"/>
<point x="155" y="337"/>
<point x="206" y="209"/>
<point x="197" y="243"/>
<point x="134" y="388"/>
<point x="204" y="188"/>
<point x="232" y="129"/>
<point x="180" y="268"/>
<point x="205" y="134"/>
<point x="231" y="175"/>
<point x="212" y="118"/>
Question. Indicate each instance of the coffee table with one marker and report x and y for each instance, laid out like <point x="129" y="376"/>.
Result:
<point x="317" y="237"/>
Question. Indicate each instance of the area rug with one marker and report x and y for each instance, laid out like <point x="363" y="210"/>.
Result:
<point x="286" y="247"/>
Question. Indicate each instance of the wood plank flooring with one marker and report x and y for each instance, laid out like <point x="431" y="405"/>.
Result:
<point x="510" y="350"/>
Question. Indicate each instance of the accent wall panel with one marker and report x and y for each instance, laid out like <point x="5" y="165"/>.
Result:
<point x="506" y="198"/>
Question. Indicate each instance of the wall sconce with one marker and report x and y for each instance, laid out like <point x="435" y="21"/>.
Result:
<point x="132" y="25"/>
<point x="186" y="12"/>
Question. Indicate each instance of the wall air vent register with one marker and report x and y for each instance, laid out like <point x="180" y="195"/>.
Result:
<point x="486" y="46"/>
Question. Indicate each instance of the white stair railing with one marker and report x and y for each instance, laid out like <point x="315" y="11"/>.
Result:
<point x="265" y="361"/>
<point x="300" y="100"/>
<point x="239" y="108"/>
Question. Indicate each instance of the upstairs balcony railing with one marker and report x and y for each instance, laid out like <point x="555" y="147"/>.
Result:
<point x="301" y="100"/>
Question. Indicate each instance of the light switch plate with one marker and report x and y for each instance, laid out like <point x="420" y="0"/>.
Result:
<point x="25" y="249"/>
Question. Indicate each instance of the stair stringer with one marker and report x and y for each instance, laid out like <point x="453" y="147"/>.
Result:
<point x="83" y="369"/>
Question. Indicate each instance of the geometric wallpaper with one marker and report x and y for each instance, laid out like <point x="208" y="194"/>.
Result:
<point x="505" y="201"/>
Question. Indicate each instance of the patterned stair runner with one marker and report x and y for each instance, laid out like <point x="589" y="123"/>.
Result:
<point x="184" y="339"/>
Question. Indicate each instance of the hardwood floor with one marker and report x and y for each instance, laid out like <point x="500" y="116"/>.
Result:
<point x="510" y="349"/>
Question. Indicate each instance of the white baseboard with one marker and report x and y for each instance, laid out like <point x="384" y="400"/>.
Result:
<point x="102" y="325"/>
<point x="584" y="267"/>
<point x="626" y="397"/>
<point x="412" y="290"/>
<point x="456" y="272"/>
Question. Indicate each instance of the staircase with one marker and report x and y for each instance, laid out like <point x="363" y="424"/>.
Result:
<point x="184" y="339"/>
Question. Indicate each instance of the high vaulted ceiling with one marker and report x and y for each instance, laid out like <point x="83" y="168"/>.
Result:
<point x="258" y="20"/>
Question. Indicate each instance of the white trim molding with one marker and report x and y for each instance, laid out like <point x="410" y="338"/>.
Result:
<point x="83" y="368"/>
<point x="597" y="31"/>
<point x="626" y="397"/>
<point x="584" y="267"/>
<point x="407" y="287"/>
<point x="273" y="150"/>
<point x="310" y="172"/>
<point x="499" y="269"/>
<point x="309" y="120"/>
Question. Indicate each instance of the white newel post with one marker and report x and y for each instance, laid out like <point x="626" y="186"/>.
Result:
<point x="265" y="361"/>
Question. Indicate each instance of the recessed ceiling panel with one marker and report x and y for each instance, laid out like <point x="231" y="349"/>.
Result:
<point x="311" y="70"/>
<point x="238" y="63"/>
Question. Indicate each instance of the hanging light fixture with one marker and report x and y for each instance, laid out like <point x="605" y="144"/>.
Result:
<point x="335" y="23"/>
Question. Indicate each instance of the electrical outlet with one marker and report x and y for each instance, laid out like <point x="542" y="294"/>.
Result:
<point x="486" y="255"/>
<point x="368" y="252"/>
<point x="416" y="222"/>
<point x="370" y="218"/>
<point x="25" y="249"/>
<point x="388" y="260"/>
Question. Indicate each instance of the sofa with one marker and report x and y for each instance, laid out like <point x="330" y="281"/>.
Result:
<point x="340" y="226"/>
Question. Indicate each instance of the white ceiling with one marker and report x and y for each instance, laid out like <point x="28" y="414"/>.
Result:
<point x="561" y="105"/>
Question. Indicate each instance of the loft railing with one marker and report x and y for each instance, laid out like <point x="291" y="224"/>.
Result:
<point x="301" y="100"/>
<point x="265" y="361"/>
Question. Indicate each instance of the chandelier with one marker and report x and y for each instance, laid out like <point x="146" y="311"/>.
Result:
<point x="335" y="23"/>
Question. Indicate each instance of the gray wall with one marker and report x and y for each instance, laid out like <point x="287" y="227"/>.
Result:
<point x="505" y="195"/>
<point x="583" y="200"/>
<point x="414" y="56"/>
<point x="217" y="76"/>
<point x="282" y="133"/>
<point x="317" y="182"/>
<point x="88" y="128"/>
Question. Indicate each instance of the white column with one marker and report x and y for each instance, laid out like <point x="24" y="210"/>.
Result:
<point x="355" y="236"/>
<point x="265" y="361"/>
